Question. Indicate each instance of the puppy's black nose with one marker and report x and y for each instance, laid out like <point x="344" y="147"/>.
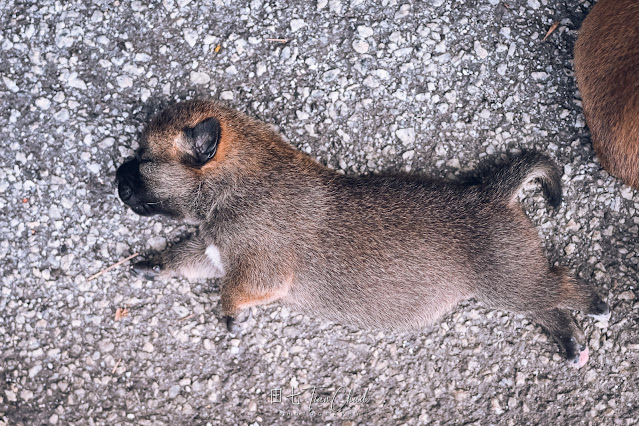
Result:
<point x="128" y="179"/>
<point x="124" y="191"/>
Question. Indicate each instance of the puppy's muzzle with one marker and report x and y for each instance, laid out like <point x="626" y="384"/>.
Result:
<point x="133" y="191"/>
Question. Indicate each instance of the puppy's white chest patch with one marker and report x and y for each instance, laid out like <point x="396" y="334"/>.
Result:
<point x="213" y="253"/>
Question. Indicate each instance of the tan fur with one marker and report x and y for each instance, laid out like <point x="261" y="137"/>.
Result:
<point x="607" y="70"/>
<point x="245" y="296"/>
<point x="388" y="252"/>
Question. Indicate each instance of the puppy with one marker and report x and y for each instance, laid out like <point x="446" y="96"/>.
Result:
<point x="388" y="252"/>
<point x="607" y="70"/>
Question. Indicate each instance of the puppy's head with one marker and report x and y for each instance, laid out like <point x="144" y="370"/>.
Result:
<point x="185" y="153"/>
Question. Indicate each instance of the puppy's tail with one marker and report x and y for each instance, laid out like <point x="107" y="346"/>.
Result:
<point x="507" y="181"/>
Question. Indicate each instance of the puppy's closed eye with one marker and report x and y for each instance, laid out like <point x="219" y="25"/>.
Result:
<point x="203" y="139"/>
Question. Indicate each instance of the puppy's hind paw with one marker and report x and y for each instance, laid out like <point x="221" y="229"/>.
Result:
<point x="602" y="320"/>
<point x="146" y="270"/>
<point x="601" y="313"/>
<point x="581" y="359"/>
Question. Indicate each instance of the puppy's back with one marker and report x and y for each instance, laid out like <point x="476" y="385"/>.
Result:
<point x="607" y="69"/>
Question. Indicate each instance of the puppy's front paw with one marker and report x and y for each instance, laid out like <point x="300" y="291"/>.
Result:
<point x="235" y="323"/>
<point x="146" y="269"/>
<point x="601" y="313"/>
<point x="232" y="325"/>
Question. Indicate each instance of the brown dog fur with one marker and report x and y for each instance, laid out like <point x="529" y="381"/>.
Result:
<point x="389" y="252"/>
<point x="607" y="70"/>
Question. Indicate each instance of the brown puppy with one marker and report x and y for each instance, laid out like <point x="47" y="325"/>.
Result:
<point x="393" y="252"/>
<point x="607" y="69"/>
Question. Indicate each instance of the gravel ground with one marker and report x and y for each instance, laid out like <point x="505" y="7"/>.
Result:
<point x="435" y="87"/>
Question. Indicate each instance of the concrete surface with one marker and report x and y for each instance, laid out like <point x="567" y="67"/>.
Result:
<point x="435" y="87"/>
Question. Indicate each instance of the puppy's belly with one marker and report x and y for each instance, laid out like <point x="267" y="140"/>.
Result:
<point x="386" y="304"/>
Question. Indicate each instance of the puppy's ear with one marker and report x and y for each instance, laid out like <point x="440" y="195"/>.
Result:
<point x="204" y="139"/>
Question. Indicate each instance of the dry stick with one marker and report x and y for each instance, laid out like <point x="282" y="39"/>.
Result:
<point x="116" y="366"/>
<point x="552" y="28"/>
<point x="112" y="266"/>
<point x="281" y="40"/>
<point x="186" y="317"/>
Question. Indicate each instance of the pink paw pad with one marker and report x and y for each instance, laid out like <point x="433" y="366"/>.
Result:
<point x="582" y="360"/>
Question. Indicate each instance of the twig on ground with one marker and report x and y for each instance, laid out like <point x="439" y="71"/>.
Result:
<point x="186" y="317"/>
<point x="553" y="27"/>
<point x="115" y="265"/>
<point x="116" y="366"/>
